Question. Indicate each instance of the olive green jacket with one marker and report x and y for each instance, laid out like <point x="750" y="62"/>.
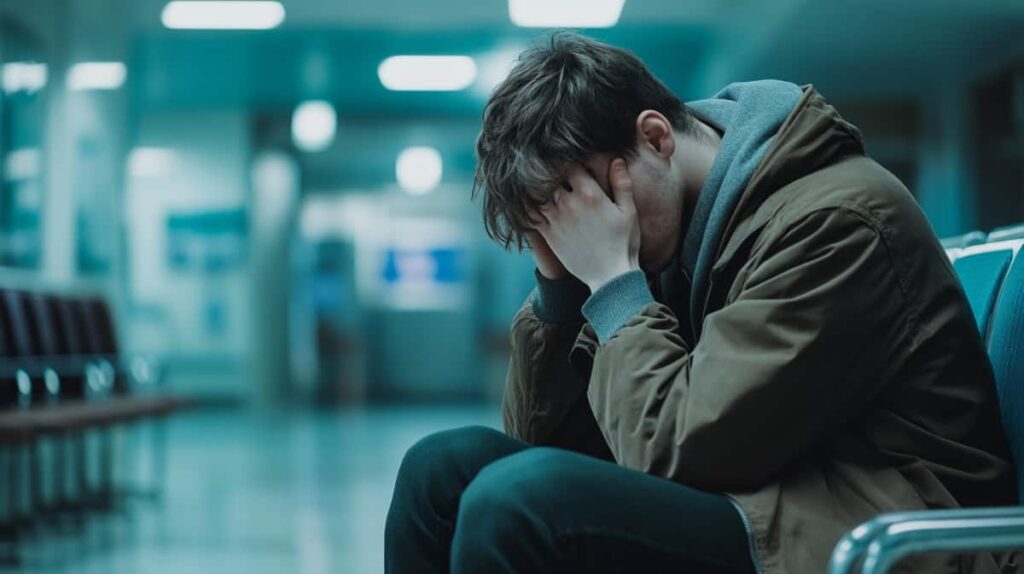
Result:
<point x="839" y="373"/>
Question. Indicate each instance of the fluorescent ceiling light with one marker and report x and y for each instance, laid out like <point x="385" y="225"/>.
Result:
<point x="427" y="73"/>
<point x="96" y="76"/>
<point x="565" y="13"/>
<point x="28" y="76"/>
<point x="314" y="124"/>
<point x="418" y="169"/>
<point x="220" y="15"/>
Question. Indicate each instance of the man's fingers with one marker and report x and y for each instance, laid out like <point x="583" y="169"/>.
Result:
<point x="561" y="202"/>
<point x="583" y="184"/>
<point x="535" y="240"/>
<point x="621" y="183"/>
<point x="539" y="240"/>
<point x="549" y="211"/>
<point x="538" y="217"/>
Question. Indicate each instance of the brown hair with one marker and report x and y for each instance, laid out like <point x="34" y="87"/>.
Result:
<point x="563" y="102"/>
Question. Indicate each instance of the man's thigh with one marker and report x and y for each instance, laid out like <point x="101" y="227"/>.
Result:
<point x="550" y="509"/>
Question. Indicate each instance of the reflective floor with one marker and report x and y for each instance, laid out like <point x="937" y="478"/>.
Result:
<point x="297" y="492"/>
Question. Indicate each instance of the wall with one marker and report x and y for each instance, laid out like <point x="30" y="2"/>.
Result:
<point x="196" y="318"/>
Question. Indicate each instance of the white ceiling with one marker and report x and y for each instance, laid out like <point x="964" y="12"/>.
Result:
<point x="855" y="48"/>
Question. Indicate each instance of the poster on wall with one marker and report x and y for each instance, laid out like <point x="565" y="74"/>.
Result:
<point x="208" y="246"/>
<point x="206" y="241"/>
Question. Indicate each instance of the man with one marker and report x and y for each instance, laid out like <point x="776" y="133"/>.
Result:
<point x="745" y="341"/>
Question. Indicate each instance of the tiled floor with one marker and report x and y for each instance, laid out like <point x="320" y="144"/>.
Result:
<point x="296" y="492"/>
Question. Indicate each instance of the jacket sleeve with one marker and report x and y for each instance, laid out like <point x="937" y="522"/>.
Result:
<point x="545" y="401"/>
<point x="806" y="343"/>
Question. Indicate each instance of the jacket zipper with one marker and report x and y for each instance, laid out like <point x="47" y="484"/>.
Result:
<point x="751" y="546"/>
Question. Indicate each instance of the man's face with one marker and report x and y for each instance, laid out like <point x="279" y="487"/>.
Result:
<point x="658" y="204"/>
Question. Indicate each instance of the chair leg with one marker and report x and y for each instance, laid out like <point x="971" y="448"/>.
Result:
<point x="7" y="471"/>
<point x="23" y="487"/>
<point x="8" y="526"/>
<point x="36" y="477"/>
<point x="82" y="470"/>
<point x="105" y="489"/>
<point x="159" y="457"/>
<point x="70" y="501"/>
<point x="148" y="478"/>
<point x="93" y="480"/>
<point x="10" y="554"/>
<point x="60" y="482"/>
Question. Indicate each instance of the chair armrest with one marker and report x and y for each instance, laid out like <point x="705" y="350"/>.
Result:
<point x="891" y="537"/>
<point x="146" y="372"/>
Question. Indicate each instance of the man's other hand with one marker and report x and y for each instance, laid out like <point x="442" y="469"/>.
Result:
<point x="547" y="263"/>
<point x="593" y="237"/>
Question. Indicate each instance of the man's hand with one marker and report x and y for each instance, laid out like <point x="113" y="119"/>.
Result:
<point x="547" y="263"/>
<point x="595" y="239"/>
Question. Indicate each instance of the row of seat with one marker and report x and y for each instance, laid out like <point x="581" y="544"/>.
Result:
<point x="991" y="269"/>
<point x="63" y="387"/>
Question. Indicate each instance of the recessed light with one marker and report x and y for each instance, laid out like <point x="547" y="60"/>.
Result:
<point x="427" y="73"/>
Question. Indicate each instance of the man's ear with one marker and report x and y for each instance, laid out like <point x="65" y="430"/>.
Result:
<point x="655" y="131"/>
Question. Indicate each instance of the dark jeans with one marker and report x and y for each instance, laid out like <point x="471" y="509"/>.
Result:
<point x="475" y="500"/>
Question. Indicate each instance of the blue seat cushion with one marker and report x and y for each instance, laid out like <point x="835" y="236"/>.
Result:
<point x="981" y="275"/>
<point x="1006" y="349"/>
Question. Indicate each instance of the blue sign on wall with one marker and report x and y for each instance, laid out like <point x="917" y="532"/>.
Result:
<point x="439" y="266"/>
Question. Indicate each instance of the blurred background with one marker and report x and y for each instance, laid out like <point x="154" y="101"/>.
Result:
<point x="274" y="199"/>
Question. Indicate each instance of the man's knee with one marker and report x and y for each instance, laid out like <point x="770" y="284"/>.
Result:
<point x="446" y="453"/>
<point x="516" y="492"/>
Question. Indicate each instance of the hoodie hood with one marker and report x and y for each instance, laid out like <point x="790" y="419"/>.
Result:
<point x="813" y="137"/>
<point x="780" y="133"/>
<point x="750" y="114"/>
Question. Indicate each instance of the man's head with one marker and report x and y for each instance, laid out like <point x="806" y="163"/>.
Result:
<point x="577" y="101"/>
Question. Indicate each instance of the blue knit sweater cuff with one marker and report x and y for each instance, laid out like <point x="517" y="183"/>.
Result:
<point x="559" y="300"/>
<point x="615" y="303"/>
